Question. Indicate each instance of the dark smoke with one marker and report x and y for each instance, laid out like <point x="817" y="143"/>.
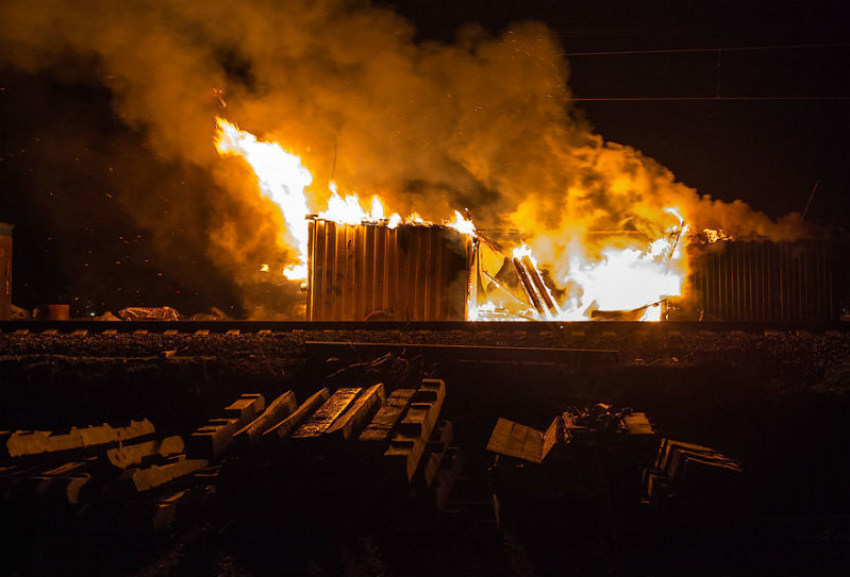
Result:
<point x="485" y="122"/>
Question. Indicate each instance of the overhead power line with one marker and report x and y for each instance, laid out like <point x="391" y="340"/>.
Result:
<point x="705" y="98"/>
<point x="718" y="49"/>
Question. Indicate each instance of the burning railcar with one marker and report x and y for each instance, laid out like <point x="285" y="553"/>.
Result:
<point x="408" y="272"/>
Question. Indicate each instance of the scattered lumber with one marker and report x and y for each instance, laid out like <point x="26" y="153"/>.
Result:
<point x="128" y="476"/>
<point x="278" y="410"/>
<point x="215" y="438"/>
<point x="246" y="407"/>
<point x="63" y="483"/>
<point x="522" y="442"/>
<point x="351" y="423"/>
<point x="287" y="426"/>
<point x="408" y="443"/>
<point x="147" y="478"/>
<point x="22" y="443"/>
<point x="325" y="415"/>
<point x="690" y="471"/>
<point x="134" y="455"/>
<point x="383" y="425"/>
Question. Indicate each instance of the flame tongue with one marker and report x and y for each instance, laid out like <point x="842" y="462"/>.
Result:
<point x="280" y="176"/>
<point x="621" y="280"/>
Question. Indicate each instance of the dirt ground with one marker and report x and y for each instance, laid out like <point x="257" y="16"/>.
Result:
<point x="778" y="402"/>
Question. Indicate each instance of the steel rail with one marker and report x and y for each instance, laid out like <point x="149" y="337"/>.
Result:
<point x="219" y="328"/>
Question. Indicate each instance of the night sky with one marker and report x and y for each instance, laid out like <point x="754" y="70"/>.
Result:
<point x="734" y="122"/>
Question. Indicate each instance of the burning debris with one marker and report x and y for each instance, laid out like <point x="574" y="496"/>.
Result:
<point x="486" y="122"/>
<point x="337" y="272"/>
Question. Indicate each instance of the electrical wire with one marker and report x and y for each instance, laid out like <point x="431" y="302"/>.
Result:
<point x="706" y="98"/>
<point x="729" y="49"/>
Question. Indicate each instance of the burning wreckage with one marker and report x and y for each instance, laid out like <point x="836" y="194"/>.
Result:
<point x="420" y="271"/>
<point x="360" y="264"/>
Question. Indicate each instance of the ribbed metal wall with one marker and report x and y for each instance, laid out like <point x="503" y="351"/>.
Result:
<point x="765" y="281"/>
<point x="419" y="273"/>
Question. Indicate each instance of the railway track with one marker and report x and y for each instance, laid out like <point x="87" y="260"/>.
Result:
<point x="218" y="328"/>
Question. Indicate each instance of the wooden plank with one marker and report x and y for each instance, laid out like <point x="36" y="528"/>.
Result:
<point x="212" y="439"/>
<point x="422" y="414"/>
<point x="246" y="407"/>
<point x="384" y="423"/>
<point x="148" y="478"/>
<point x="408" y="443"/>
<point x="638" y="424"/>
<point x="216" y="437"/>
<point x="352" y="422"/>
<point x="278" y="410"/>
<point x="522" y="442"/>
<point x="128" y="456"/>
<point x="286" y="427"/>
<point x="22" y="443"/>
<point x="325" y="415"/>
<point x="435" y="450"/>
<point x="62" y="484"/>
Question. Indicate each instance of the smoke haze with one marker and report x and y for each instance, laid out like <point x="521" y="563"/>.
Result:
<point x="485" y="122"/>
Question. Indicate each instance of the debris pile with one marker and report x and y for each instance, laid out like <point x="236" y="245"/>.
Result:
<point x="519" y="441"/>
<point x="570" y="493"/>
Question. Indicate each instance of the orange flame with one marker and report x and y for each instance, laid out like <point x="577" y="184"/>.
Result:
<point x="629" y="279"/>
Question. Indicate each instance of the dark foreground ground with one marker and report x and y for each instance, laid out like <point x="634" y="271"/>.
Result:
<point x="778" y="402"/>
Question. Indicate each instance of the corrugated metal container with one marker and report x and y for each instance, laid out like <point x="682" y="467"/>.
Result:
<point x="5" y="271"/>
<point x="408" y="273"/>
<point x="765" y="281"/>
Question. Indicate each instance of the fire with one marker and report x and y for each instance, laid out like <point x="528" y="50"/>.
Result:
<point x="282" y="178"/>
<point x="461" y="224"/>
<point x="711" y="236"/>
<point x="349" y="210"/>
<point x="629" y="279"/>
<point x="280" y="175"/>
<point x="634" y="280"/>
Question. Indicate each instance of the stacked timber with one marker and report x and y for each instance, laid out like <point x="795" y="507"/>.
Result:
<point x="689" y="472"/>
<point x="351" y="441"/>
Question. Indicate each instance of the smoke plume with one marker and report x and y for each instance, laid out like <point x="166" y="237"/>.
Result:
<point x="485" y="122"/>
